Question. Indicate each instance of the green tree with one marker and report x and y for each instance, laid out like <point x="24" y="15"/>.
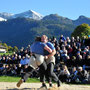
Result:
<point x="10" y="48"/>
<point x="81" y="31"/>
<point x="15" y="49"/>
<point x="5" y="45"/>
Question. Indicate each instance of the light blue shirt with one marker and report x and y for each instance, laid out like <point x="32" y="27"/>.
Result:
<point x="24" y="61"/>
<point x="51" y="46"/>
<point x="38" y="48"/>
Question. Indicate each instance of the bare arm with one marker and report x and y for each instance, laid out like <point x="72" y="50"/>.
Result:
<point x="52" y="54"/>
<point x="48" y="49"/>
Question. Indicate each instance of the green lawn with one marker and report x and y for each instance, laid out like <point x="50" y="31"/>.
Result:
<point x="16" y="79"/>
<point x="8" y="53"/>
<point x="30" y="80"/>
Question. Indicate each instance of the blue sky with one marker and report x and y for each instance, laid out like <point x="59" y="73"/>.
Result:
<point x="67" y="8"/>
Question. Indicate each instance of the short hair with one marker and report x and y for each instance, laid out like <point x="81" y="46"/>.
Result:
<point x="38" y="38"/>
<point x="79" y="68"/>
<point x="45" y="36"/>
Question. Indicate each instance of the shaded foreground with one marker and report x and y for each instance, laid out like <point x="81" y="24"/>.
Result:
<point x="36" y="86"/>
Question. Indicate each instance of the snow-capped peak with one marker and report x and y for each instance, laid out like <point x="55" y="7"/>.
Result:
<point x="29" y="14"/>
<point x="2" y="19"/>
<point x="38" y="14"/>
<point x="6" y="15"/>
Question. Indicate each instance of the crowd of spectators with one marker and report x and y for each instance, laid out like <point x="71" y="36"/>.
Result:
<point x="72" y="60"/>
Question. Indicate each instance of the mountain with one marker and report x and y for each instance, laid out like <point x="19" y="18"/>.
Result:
<point x="56" y="17"/>
<point x="28" y="14"/>
<point x="64" y="20"/>
<point x="52" y="17"/>
<point x="81" y="19"/>
<point x="6" y="15"/>
<point x="2" y="19"/>
<point x="21" y="29"/>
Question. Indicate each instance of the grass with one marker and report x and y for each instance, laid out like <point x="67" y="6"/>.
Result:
<point x="16" y="79"/>
<point x="8" y="53"/>
<point x="30" y="80"/>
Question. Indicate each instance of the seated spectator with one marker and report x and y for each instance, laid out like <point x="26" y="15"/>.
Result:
<point x="19" y="59"/>
<point x="88" y="60"/>
<point x="28" y="49"/>
<point x="2" y="69"/>
<point x="22" y="61"/>
<point x="57" y="69"/>
<point x="73" y="74"/>
<point x="7" y="59"/>
<point x="79" y="59"/>
<point x="25" y="52"/>
<point x="6" y="70"/>
<point x="14" y="70"/>
<point x="27" y="59"/>
<point x="64" y="74"/>
<point x="18" y="69"/>
<point x="3" y="60"/>
<point x="25" y="69"/>
<point x="82" y="76"/>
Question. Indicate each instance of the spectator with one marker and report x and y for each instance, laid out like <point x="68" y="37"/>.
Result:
<point x="2" y="69"/>
<point x="73" y="75"/>
<point x="68" y="40"/>
<point x="70" y="52"/>
<point x="64" y="74"/>
<point x="82" y="76"/>
<point x="57" y="56"/>
<point x="19" y="69"/>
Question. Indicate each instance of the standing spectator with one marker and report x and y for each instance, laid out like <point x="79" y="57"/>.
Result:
<point x="68" y="40"/>
<point x="57" y="56"/>
<point x="70" y="50"/>
<point x="78" y="42"/>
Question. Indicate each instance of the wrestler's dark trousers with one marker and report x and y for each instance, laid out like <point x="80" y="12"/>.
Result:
<point x="42" y="71"/>
<point x="28" y="73"/>
<point x="50" y="73"/>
